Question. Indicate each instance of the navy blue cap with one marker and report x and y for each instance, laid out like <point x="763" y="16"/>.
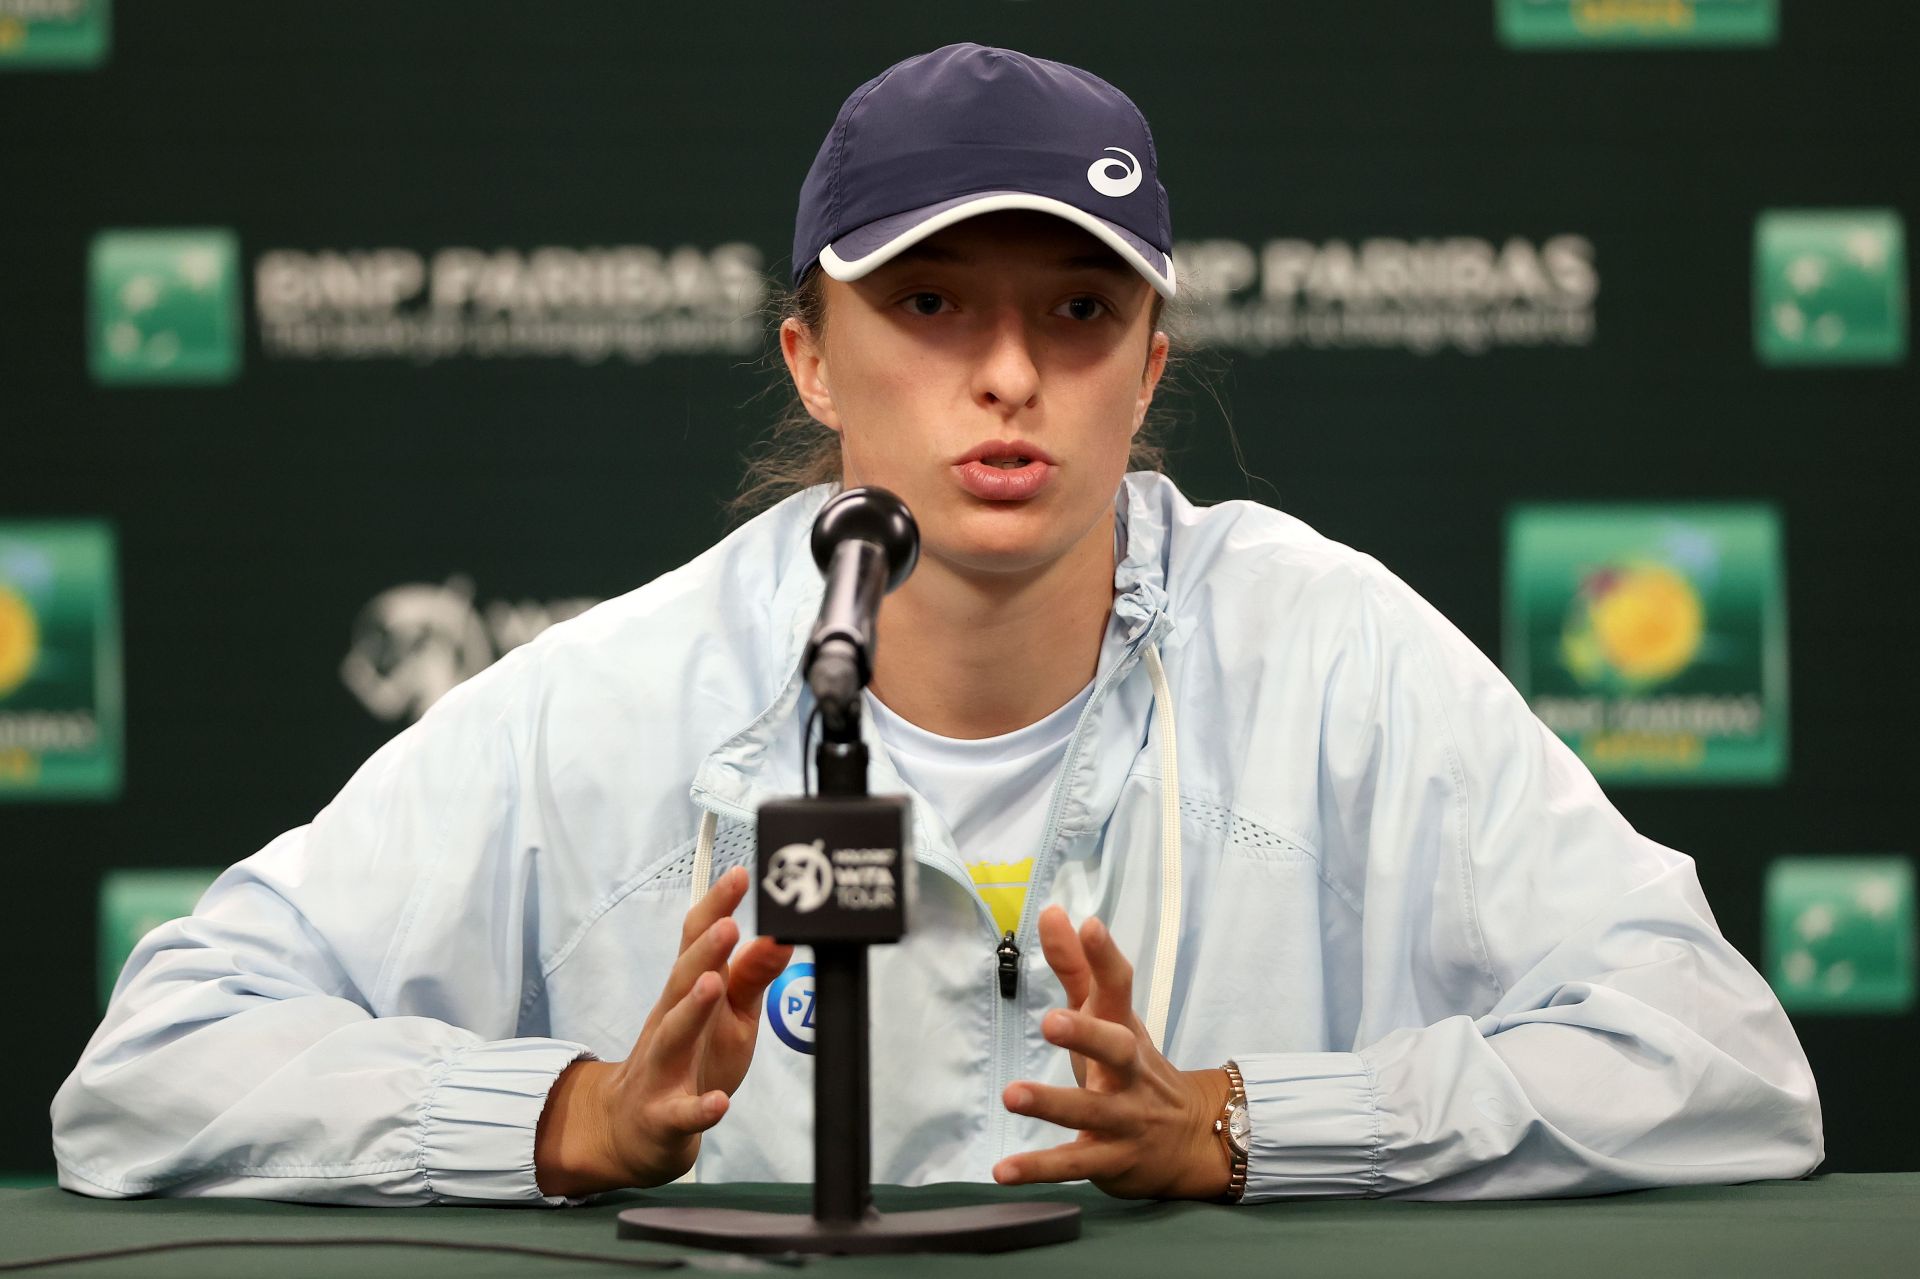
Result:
<point x="966" y="130"/>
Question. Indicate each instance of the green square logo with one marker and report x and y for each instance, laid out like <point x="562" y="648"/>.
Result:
<point x="1830" y="287"/>
<point x="60" y="694"/>
<point x="135" y="902"/>
<point x="1840" y="934"/>
<point x="53" y="33"/>
<point x="1599" y="24"/>
<point x="1652" y="639"/>
<point x="165" y="306"/>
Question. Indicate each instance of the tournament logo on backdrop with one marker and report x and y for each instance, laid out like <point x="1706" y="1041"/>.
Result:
<point x="164" y="306"/>
<point x="60" y="694"/>
<point x="1830" y="286"/>
<point x="1652" y="639"/>
<point x="135" y="902"/>
<point x="1461" y="293"/>
<point x="413" y="643"/>
<point x="631" y="302"/>
<point x="53" y="33"/>
<point x="1840" y="933"/>
<point x="1601" y="23"/>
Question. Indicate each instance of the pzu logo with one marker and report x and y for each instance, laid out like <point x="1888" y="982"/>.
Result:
<point x="790" y="1007"/>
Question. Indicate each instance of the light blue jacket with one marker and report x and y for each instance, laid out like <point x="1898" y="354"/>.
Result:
<point x="1447" y="967"/>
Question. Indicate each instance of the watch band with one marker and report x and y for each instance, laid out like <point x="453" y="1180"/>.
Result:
<point x="1237" y="1159"/>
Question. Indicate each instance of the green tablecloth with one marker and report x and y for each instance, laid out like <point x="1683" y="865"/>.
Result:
<point x="1849" y="1225"/>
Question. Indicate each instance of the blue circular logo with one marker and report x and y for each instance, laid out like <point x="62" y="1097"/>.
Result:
<point x="790" y="1007"/>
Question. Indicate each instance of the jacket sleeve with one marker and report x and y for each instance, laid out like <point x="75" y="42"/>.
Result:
<point x="338" y="1021"/>
<point x="1569" y="1019"/>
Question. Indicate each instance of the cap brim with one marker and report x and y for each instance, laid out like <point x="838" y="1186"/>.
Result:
<point x="864" y="248"/>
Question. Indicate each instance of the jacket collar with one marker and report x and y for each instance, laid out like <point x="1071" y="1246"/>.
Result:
<point x="762" y="760"/>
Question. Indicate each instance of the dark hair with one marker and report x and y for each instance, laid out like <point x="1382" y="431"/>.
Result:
<point x="798" y="452"/>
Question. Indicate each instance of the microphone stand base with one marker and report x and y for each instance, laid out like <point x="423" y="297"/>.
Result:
<point x="979" y="1228"/>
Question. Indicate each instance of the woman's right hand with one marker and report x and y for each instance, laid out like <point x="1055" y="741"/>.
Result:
<point x="638" y="1122"/>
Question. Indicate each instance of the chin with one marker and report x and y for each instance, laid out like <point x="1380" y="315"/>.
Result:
<point x="1002" y="537"/>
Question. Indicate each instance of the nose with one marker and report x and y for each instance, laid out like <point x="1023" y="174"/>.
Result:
<point x="1006" y="377"/>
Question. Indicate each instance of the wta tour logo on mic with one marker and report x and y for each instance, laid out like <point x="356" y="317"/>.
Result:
<point x="843" y="888"/>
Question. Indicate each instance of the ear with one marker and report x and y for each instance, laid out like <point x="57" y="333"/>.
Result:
<point x="807" y="365"/>
<point x="1150" y="378"/>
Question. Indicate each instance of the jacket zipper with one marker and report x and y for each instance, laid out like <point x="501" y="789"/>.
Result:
<point x="1007" y="1009"/>
<point x="1008" y="956"/>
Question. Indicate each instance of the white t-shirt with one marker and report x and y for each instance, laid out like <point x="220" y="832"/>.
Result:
<point x="992" y="792"/>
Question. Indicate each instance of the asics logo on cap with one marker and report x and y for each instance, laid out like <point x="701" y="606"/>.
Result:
<point x="1113" y="177"/>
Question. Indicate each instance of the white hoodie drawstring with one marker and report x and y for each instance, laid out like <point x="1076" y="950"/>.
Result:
<point x="703" y="855"/>
<point x="1166" y="940"/>
<point x="1166" y="934"/>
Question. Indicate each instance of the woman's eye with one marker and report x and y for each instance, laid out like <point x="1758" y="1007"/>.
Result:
<point x="1085" y="308"/>
<point x="925" y="303"/>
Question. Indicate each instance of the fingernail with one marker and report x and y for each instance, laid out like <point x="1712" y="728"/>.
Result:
<point x="1018" y="1097"/>
<point x="1057" y="1024"/>
<point x="1001" y="1172"/>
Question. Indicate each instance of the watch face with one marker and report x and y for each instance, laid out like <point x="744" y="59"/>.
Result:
<point x="1238" y="1127"/>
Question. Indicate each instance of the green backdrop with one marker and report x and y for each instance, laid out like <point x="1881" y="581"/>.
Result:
<point x="371" y="338"/>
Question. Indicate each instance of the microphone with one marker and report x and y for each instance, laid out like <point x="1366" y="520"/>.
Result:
<point x="866" y="544"/>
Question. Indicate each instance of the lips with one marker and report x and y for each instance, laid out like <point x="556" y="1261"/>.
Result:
<point x="1004" y="470"/>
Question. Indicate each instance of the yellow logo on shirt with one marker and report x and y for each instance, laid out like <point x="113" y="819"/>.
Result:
<point x="1003" y="885"/>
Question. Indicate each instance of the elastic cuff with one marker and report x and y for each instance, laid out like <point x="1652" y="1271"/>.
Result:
<point x="476" y="1136"/>
<point x="1316" y="1128"/>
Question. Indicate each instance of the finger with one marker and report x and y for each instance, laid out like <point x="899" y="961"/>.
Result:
<point x="720" y="901"/>
<point x="1112" y="1045"/>
<point x="1073" y="1108"/>
<point x="1071" y="1162"/>
<point x="690" y="1113"/>
<point x="1061" y="945"/>
<point x="708" y="953"/>
<point x="758" y="963"/>
<point x="1112" y="975"/>
<point x="670" y="1051"/>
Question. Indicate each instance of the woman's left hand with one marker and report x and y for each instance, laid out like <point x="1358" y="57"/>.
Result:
<point x="1146" y="1128"/>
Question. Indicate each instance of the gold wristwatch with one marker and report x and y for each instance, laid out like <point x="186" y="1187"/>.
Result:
<point x="1233" y="1129"/>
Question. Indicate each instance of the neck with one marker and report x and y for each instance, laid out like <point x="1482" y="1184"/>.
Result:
<point x="969" y="655"/>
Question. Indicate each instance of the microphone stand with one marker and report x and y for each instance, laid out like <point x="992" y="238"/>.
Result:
<point x="842" y="819"/>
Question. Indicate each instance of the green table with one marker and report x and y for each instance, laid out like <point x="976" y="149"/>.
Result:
<point x="1841" y="1224"/>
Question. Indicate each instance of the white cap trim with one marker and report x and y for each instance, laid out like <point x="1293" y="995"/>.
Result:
<point x="842" y="269"/>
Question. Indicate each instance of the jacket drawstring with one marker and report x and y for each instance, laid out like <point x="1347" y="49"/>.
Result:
<point x="1166" y="941"/>
<point x="1166" y="934"/>
<point x="703" y="855"/>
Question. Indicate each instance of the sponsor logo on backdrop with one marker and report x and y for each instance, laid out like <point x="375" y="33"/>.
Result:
<point x="135" y="902"/>
<point x="1652" y="640"/>
<point x="164" y="306"/>
<point x="413" y="643"/>
<point x="60" y="693"/>
<point x="53" y="33"/>
<point x="1840" y="933"/>
<point x="1459" y="293"/>
<point x="1830" y="286"/>
<point x="628" y="302"/>
<point x="1600" y="23"/>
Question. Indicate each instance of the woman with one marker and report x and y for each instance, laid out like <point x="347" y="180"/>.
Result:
<point x="1352" y="921"/>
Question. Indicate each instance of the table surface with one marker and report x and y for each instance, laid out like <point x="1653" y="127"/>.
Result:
<point x="1851" y="1224"/>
